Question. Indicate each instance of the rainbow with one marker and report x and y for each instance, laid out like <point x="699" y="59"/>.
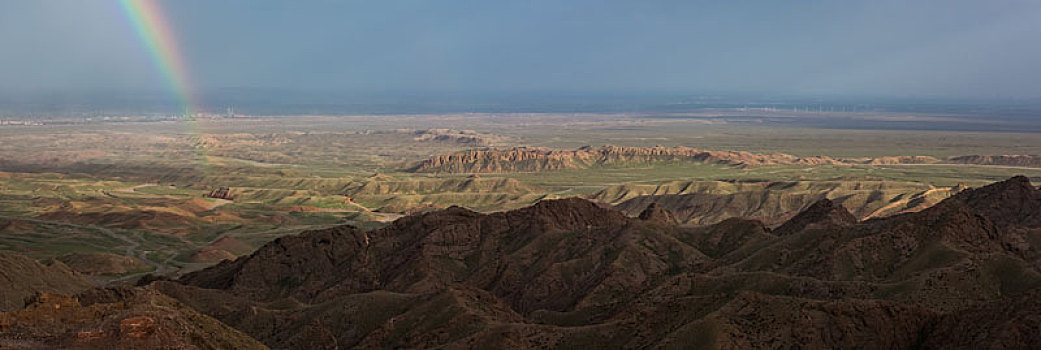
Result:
<point x="146" y="18"/>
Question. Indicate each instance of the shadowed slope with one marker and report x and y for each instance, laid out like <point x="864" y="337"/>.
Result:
<point x="568" y="273"/>
<point x="822" y="212"/>
<point x="21" y="277"/>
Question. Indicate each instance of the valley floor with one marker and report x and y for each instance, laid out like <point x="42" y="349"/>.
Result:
<point x="136" y="195"/>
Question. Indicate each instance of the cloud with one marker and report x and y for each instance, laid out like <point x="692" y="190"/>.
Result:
<point x="848" y="47"/>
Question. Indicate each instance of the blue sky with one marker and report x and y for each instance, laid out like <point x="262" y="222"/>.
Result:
<point x="914" y="48"/>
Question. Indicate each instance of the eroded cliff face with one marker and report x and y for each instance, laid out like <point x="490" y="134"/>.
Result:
<point x="1007" y="160"/>
<point x="534" y="159"/>
<point x="528" y="159"/>
<point x="772" y="202"/>
<point x="521" y="159"/>
<point x="569" y="273"/>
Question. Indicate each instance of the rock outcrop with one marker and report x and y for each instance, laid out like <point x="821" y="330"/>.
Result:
<point x="140" y="318"/>
<point x="535" y="159"/>
<point x="466" y="137"/>
<point x="772" y="202"/>
<point x="1021" y="160"/>
<point x="1011" y="203"/>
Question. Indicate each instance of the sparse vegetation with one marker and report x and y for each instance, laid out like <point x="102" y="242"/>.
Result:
<point x="140" y="188"/>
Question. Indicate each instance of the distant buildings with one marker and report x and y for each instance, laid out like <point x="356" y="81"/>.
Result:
<point x="221" y="193"/>
<point x="20" y="122"/>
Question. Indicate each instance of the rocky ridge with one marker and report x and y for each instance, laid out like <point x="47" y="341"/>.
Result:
<point x="531" y="277"/>
<point x="466" y="137"/>
<point x="822" y="212"/>
<point x="772" y="202"/>
<point x="1007" y="160"/>
<point x="570" y="273"/>
<point x="535" y="159"/>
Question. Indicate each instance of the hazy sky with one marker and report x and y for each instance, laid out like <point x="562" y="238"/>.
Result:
<point x="924" y="48"/>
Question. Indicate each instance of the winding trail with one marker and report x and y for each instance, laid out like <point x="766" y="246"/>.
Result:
<point x="131" y="249"/>
<point x="133" y="189"/>
<point x="132" y="245"/>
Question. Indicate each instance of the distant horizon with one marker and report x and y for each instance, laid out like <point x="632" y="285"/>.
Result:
<point x="287" y="101"/>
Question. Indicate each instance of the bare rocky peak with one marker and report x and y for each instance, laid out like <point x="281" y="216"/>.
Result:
<point x="1014" y="201"/>
<point x="656" y="213"/>
<point x="821" y="212"/>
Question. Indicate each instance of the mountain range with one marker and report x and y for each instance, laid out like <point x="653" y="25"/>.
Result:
<point x="536" y="159"/>
<point x="569" y="273"/>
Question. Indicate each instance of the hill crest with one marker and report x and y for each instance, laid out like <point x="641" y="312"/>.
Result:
<point x="528" y="277"/>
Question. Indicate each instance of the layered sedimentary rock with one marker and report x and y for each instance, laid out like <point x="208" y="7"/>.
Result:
<point x="1007" y="160"/>
<point x="535" y="159"/>
<point x="772" y="202"/>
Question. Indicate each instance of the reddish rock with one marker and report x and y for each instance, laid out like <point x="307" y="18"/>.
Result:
<point x="90" y="335"/>
<point x="137" y="327"/>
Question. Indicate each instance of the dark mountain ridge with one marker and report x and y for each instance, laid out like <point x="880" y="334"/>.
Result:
<point x="571" y="274"/>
